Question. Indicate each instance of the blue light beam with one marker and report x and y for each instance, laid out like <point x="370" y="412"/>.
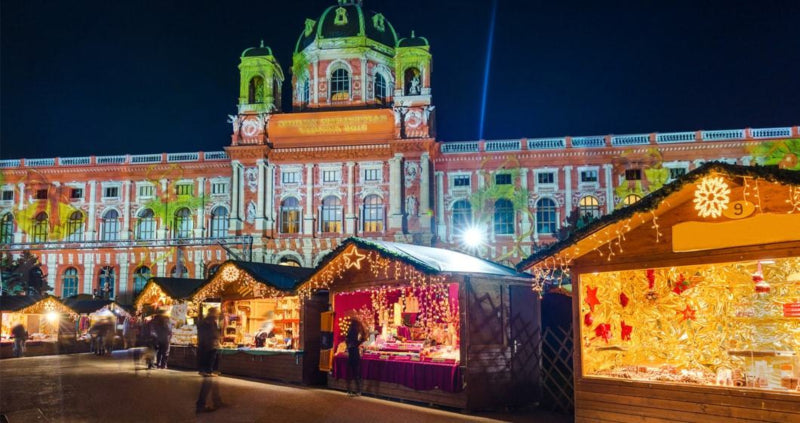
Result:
<point x="486" y="68"/>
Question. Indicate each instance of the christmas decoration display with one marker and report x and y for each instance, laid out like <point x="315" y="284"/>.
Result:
<point x="591" y="297"/>
<point x="47" y="305"/>
<point x="762" y="287"/>
<point x="625" y="331"/>
<point x="711" y="196"/>
<point x="623" y="299"/>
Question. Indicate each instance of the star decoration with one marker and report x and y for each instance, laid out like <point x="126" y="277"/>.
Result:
<point x="353" y="258"/>
<point x="626" y="331"/>
<point x="688" y="313"/>
<point x="591" y="297"/>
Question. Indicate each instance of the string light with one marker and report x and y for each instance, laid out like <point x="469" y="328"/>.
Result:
<point x="48" y="305"/>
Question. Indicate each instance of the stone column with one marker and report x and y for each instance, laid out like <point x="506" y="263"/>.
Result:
<point x="90" y="218"/>
<point x="52" y="269"/>
<point x="163" y="229"/>
<point x="350" y="212"/>
<point x="126" y="211"/>
<point x="88" y="273"/>
<point x="607" y="170"/>
<point x="122" y="293"/>
<point x="441" y="224"/>
<point x="315" y="88"/>
<point x="425" y="192"/>
<point x="526" y="217"/>
<point x="269" y="196"/>
<point x="567" y="190"/>
<point x="260" y="194"/>
<point x="364" y="79"/>
<point x="200" y="229"/>
<point x="308" y="219"/>
<point x="395" y="195"/>
<point x="20" y="206"/>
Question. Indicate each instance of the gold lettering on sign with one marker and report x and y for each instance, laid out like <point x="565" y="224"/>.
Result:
<point x="332" y="125"/>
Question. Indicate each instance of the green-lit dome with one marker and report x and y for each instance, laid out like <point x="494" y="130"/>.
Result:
<point x="347" y="19"/>
<point x="413" y="41"/>
<point x="261" y="50"/>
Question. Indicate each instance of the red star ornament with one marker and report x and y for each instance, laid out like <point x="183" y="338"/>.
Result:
<point x="591" y="297"/>
<point x="626" y="331"/>
<point x="353" y="258"/>
<point x="688" y="313"/>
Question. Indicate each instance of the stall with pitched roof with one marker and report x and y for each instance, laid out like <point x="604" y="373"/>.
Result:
<point x="687" y="303"/>
<point x="439" y="324"/>
<point x="42" y="318"/>
<point x="265" y="327"/>
<point x="90" y="311"/>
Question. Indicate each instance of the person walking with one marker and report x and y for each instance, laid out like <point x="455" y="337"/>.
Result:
<point x="355" y="337"/>
<point x="163" y="331"/>
<point x="20" y="336"/>
<point x="208" y="336"/>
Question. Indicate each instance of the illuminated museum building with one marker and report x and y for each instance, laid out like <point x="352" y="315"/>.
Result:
<point x="357" y="155"/>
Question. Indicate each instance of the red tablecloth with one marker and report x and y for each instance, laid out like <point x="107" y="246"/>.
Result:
<point x="421" y="376"/>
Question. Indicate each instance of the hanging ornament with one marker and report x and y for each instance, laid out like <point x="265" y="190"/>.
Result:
<point x="626" y="331"/>
<point x="762" y="287"/>
<point x="591" y="297"/>
<point x="603" y="330"/>
<point x="682" y="284"/>
<point x="688" y="313"/>
<point x="588" y="319"/>
<point x="623" y="299"/>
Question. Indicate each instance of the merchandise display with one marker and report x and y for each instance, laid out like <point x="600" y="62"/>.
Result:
<point x="732" y="324"/>
<point x="261" y="324"/>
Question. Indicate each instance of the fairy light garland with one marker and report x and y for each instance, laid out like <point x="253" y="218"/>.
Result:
<point x="47" y="305"/>
<point x="794" y="199"/>
<point x="245" y="284"/>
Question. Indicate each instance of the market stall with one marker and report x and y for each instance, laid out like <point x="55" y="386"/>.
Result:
<point x="41" y="317"/>
<point x="171" y="296"/>
<point x="90" y="311"/>
<point x="438" y="324"/>
<point x="687" y="304"/>
<point x="264" y="324"/>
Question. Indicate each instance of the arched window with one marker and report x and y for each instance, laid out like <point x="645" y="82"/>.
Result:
<point x="331" y="215"/>
<point x="630" y="199"/>
<point x="183" y="223"/>
<point x="413" y="80"/>
<point x="75" y="227"/>
<point x="286" y="261"/>
<point x="255" y="91"/>
<point x="140" y="277"/>
<point x="380" y="88"/>
<point x="106" y="282"/>
<point x="110" y="226"/>
<point x="69" y="282"/>
<point x="546" y="216"/>
<point x="462" y="215"/>
<point x="146" y="225"/>
<point x="290" y="216"/>
<point x="590" y="207"/>
<point x="219" y="222"/>
<point x="7" y="229"/>
<point x="305" y="91"/>
<point x="340" y="85"/>
<point x="39" y="228"/>
<point x="503" y="217"/>
<point x="183" y="272"/>
<point x="373" y="214"/>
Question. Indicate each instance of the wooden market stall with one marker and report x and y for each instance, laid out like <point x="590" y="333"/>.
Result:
<point x="445" y="328"/>
<point x="267" y="332"/>
<point x="91" y="310"/>
<point x="42" y="318"/>
<point x="172" y="296"/>
<point x="687" y="304"/>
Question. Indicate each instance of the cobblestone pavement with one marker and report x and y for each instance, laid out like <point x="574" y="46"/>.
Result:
<point x="85" y="388"/>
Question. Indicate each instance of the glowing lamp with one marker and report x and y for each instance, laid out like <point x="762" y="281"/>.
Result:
<point x="473" y="237"/>
<point x="51" y="316"/>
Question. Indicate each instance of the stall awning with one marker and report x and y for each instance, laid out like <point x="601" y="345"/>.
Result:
<point x="249" y="279"/>
<point x="34" y="305"/>
<point x="12" y="303"/>
<point x="176" y="289"/>
<point x="89" y="306"/>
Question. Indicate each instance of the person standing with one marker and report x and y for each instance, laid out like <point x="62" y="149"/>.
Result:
<point x="353" y="340"/>
<point x="208" y="336"/>
<point x="163" y="331"/>
<point x="20" y="336"/>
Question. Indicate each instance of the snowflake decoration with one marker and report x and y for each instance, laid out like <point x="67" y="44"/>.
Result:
<point x="230" y="274"/>
<point x="711" y="197"/>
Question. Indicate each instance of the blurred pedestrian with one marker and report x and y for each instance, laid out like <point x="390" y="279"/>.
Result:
<point x="162" y="327"/>
<point x="129" y="329"/>
<point x="208" y="336"/>
<point x="355" y="337"/>
<point x="20" y="336"/>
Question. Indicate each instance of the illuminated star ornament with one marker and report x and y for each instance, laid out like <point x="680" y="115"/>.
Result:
<point x="688" y="313"/>
<point x="353" y="258"/>
<point x="591" y="297"/>
<point x="711" y="197"/>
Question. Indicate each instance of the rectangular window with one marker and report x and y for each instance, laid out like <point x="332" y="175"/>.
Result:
<point x="111" y="192"/>
<point x="183" y="189"/>
<point x="41" y="194"/>
<point x="633" y="174"/>
<point x="219" y="188"/>
<point x="76" y="194"/>
<point x="588" y="176"/>
<point x="331" y="175"/>
<point x="676" y="172"/>
<point x="8" y="195"/>
<point x="372" y="174"/>
<point x="290" y="177"/>
<point x="146" y="191"/>
<point x="462" y="181"/>
<point x="546" y="178"/>
<point x="502" y="179"/>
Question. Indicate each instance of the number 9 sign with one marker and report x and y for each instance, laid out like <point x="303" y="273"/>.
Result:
<point x="739" y="210"/>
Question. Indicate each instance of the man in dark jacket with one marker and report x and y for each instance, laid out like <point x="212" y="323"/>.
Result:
<point x="20" y="336"/>
<point x="162" y="328"/>
<point x="207" y="344"/>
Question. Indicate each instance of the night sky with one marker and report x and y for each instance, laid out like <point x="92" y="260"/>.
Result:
<point x="114" y="77"/>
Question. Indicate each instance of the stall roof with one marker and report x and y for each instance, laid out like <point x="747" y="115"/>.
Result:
<point x="652" y="201"/>
<point x="88" y="306"/>
<point x="284" y="278"/>
<point x="16" y="302"/>
<point x="178" y="288"/>
<point x="428" y="259"/>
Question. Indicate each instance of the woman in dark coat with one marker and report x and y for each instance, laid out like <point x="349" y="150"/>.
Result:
<point x="355" y="337"/>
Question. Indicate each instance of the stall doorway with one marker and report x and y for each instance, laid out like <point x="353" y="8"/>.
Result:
<point x="525" y="345"/>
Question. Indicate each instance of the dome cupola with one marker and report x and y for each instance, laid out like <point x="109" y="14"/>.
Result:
<point x="347" y="24"/>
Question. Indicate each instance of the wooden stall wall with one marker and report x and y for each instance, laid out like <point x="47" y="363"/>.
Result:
<point x="310" y="332"/>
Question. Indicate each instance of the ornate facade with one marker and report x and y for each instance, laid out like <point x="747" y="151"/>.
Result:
<point x="357" y="155"/>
